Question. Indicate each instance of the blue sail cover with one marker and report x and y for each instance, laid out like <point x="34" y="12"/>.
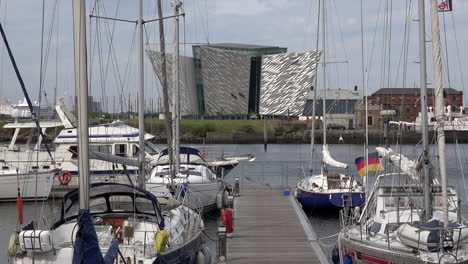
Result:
<point x="87" y="250"/>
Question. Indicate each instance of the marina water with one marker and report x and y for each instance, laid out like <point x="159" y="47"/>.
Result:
<point x="282" y="165"/>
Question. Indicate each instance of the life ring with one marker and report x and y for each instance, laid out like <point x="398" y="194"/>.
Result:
<point x="65" y="178"/>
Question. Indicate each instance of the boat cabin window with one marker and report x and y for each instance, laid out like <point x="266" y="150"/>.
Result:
<point x="107" y="149"/>
<point x="121" y="150"/>
<point x="135" y="150"/>
<point x="143" y="205"/>
<point x="74" y="151"/>
<point x="98" y="205"/>
<point x="122" y="203"/>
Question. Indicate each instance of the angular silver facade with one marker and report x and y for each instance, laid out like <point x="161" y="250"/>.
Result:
<point x="286" y="80"/>
<point x="226" y="77"/>
<point x="187" y="89"/>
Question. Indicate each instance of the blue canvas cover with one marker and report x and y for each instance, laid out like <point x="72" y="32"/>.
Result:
<point x="87" y="250"/>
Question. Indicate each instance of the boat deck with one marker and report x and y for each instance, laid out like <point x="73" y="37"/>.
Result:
<point x="270" y="227"/>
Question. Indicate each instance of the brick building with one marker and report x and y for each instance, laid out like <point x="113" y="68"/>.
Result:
<point x="405" y="101"/>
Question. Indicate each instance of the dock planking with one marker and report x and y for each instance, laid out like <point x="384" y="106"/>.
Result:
<point x="270" y="227"/>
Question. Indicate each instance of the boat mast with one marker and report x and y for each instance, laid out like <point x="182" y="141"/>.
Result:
<point x="439" y="104"/>
<point x="314" y="101"/>
<point x="81" y="86"/>
<point x="141" y="97"/>
<point x="427" y="214"/>
<point x="167" y="115"/>
<point x="175" y="89"/>
<point x="324" y="108"/>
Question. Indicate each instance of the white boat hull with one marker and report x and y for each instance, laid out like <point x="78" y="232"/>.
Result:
<point x="33" y="186"/>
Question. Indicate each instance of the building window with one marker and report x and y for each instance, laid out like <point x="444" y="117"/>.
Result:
<point x="393" y="98"/>
<point x="400" y="98"/>
<point x="369" y="120"/>
<point x="407" y="99"/>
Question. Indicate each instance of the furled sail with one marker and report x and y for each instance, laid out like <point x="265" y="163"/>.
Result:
<point x="327" y="158"/>
<point x="406" y="165"/>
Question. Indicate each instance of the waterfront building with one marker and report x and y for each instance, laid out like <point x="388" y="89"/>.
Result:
<point x="339" y="104"/>
<point x="405" y="101"/>
<point x="230" y="80"/>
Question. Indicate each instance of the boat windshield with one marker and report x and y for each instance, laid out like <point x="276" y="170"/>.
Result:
<point x="187" y="156"/>
<point x="112" y="200"/>
<point x="151" y="149"/>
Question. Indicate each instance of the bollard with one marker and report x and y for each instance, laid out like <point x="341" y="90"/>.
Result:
<point x="230" y="202"/>
<point x="237" y="187"/>
<point x="222" y="243"/>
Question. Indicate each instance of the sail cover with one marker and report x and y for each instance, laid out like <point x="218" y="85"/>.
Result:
<point x="403" y="163"/>
<point x="327" y="158"/>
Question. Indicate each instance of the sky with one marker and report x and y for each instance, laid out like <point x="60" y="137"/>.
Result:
<point x="285" y="23"/>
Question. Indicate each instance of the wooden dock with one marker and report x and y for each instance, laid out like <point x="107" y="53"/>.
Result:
<point x="270" y="227"/>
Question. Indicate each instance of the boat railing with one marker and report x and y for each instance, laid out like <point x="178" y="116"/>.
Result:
<point x="449" y="239"/>
<point x="268" y="174"/>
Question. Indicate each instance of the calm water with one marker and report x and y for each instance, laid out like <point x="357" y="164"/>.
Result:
<point x="280" y="165"/>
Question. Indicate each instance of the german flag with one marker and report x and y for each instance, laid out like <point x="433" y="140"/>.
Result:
<point x="373" y="162"/>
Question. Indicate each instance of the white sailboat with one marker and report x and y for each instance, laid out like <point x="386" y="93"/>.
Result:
<point x="184" y="168"/>
<point x="419" y="222"/>
<point x="327" y="190"/>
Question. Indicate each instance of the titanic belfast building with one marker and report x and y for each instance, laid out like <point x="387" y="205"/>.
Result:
<point x="238" y="80"/>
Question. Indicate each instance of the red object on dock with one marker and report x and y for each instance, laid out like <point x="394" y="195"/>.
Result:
<point x="19" y="206"/>
<point x="226" y="219"/>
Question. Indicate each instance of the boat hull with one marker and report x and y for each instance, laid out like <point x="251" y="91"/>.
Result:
<point x="197" y="196"/>
<point x="314" y="200"/>
<point x="375" y="255"/>
<point x="28" y="183"/>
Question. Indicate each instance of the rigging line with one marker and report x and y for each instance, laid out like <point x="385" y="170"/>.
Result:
<point x="334" y="50"/>
<point x="207" y="23"/>
<point x="403" y="45"/>
<point x="447" y="66"/>
<point x="49" y="40"/>
<point x="41" y="83"/>
<point x="112" y="58"/>
<point x="369" y="68"/>
<point x="383" y="55"/>
<point x="3" y="48"/>
<point x="458" y="55"/>
<point x="23" y="87"/>
<point x="390" y="44"/>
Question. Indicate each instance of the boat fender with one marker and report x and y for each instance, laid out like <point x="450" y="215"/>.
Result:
<point x="13" y="244"/>
<point x="219" y="200"/>
<point x="226" y="219"/>
<point x="225" y="198"/>
<point x="200" y="257"/>
<point x="19" y="206"/>
<point x="65" y="178"/>
<point x="161" y="241"/>
<point x="206" y="252"/>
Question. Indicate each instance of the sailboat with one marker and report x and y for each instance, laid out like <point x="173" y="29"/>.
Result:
<point x="328" y="190"/>
<point x="124" y="222"/>
<point x="419" y="222"/>
<point x="184" y="168"/>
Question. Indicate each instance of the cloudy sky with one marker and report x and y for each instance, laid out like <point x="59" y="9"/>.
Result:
<point x="285" y="23"/>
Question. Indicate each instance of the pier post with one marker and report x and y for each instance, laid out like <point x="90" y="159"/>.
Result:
<point x="222" y="243"/>
<point x="236" y="187"/>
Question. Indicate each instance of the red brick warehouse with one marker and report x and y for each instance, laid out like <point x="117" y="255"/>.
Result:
<point x="406" y="101"/>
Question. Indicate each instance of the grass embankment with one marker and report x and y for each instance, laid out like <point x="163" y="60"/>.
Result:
<point x="199" y="128"/>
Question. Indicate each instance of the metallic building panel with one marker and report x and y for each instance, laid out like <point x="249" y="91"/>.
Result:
<point x="225" y="81"/>
<point x="187" y="88"/>
<point x="286" y="80"/>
